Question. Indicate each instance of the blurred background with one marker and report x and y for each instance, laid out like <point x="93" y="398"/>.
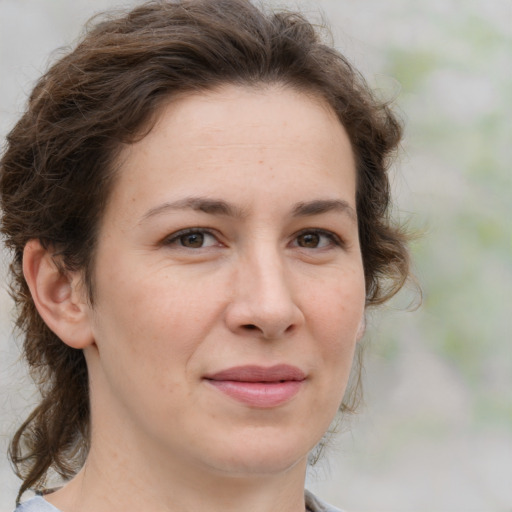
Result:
<point x="435" y="430"/>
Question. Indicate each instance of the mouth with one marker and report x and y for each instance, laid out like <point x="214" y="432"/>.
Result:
<point x="257" y="386"/>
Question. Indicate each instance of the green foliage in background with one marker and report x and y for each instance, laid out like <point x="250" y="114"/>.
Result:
<point x="457" y="96"/>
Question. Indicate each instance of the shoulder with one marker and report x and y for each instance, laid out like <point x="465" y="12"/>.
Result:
<point x="36" y="504"/>
<point x="315" y="504"/>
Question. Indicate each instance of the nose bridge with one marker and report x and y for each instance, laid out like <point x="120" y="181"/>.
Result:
<point x="264" y="297"/>
<point x="264" y="266"/>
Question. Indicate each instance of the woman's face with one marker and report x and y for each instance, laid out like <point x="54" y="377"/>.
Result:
<point x="229" y="288"/>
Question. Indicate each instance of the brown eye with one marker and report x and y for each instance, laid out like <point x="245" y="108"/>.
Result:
<point x="195" y="238"/>
<point x="192" y="240"/>
<point x="308" y="240"/>
<point x="317" y="239"/>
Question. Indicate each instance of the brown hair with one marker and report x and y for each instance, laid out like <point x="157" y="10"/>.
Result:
<point x="58" y="167"/>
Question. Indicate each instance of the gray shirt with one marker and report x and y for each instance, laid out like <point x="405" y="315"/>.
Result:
<point x="39" y="504"/>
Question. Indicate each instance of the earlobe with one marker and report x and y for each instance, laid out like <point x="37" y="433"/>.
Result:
<point x="57" y="295"/>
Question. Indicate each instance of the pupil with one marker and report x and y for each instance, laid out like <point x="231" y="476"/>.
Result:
<point x="309" y="240"/>
<point x="193" y="240"/>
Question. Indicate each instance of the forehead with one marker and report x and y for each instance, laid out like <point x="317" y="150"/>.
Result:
<point x="210" y="140"/>
<point x="232" y="114"/>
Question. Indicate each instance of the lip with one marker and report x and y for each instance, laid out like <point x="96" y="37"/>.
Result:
<point x="258" y="386"/>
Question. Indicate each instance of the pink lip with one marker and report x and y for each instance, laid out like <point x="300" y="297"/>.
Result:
<point x="258" y="386"/>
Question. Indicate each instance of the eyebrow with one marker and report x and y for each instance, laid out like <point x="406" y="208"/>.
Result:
<point x="201" y="204"/>
<point x="320" y="206"/>
<point x="221" y="207"/>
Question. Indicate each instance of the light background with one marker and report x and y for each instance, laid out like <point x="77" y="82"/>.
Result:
<point x="435" y="433"/>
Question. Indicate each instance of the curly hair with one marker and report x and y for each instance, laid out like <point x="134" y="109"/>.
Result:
<point x="58" y="169"/>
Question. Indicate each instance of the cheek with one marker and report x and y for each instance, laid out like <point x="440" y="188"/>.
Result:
<point x="338" y="307"/>
<point x="155" y="316"/>
<point x="145" y="336"/>
<point x="336" y="320"/>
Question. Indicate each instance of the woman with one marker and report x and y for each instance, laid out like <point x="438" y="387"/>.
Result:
<point x="196" y="201"/>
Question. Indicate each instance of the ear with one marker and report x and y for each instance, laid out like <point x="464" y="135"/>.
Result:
<point x="58" y="296"/>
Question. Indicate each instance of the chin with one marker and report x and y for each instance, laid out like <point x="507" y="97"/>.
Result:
<point x="264" y="454"/>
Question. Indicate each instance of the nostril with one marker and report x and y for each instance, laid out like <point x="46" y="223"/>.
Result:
<point x="289" y="329"/>
<point x="254" y="327"/>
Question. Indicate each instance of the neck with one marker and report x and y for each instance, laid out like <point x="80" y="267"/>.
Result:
<point x="113" y="482"/>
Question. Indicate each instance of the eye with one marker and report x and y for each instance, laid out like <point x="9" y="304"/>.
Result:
<point x="192" y="239"/>
<point x="317" y="239"/>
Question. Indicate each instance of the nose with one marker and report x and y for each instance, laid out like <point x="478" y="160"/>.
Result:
<point x="263" y="302"/>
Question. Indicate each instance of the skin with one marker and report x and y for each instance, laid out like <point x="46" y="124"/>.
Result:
<point x="263" y="281"/>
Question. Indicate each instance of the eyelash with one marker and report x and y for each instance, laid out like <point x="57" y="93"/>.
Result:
<point x="334" y="240"/>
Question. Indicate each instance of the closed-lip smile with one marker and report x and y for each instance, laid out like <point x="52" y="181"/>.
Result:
<point x="259" y="386"/>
